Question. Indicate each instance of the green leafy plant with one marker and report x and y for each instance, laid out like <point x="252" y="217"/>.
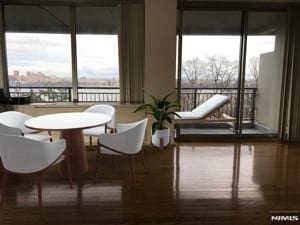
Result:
<point x="161" y="109"/>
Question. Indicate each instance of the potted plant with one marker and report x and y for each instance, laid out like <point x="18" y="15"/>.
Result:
<point x="163" y="112"/>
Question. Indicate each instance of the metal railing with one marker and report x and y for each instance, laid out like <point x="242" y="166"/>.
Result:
<point x="190" y="98"/>
<point x="64" y="94"/>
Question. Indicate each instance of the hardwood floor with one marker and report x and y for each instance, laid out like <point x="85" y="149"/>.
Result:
<point x="205" y="183"/>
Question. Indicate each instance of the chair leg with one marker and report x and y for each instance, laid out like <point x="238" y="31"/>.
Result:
<point x="50" y="134"/>
<point x="91" y="142"/>
<point x="97" y="159"/>
<point x="132" y="167"/>
<point x="143" y="160"/>
<point x="3" y="186"/>
<point x="39" y="184"/>
<point x="69" y="169"/>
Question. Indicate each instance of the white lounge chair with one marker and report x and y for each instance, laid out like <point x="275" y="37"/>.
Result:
<point x="203" y="112"/>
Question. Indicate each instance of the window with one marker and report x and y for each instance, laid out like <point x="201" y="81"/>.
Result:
<point x="264" y="66"/>
<point x="209" y="62"/>
<point x="39" y="60"/>
<point x="38" y="47"/>
<point x="39" y="52"/>
<point x="97" y="54"/>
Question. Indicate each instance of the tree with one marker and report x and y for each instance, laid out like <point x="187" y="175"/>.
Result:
<point x="253" y="70"/>
<point x="215" y="71"/>
<point x="193" y="71"/>
<point x="221" y="71"/>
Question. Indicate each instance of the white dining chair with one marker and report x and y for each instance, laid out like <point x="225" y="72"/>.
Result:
<point x="96" y="131"/>
<point x="21" y="155"/>
<point x="6" y="130"/>
<point x="17" y="120"/>
<point x="128" y="141"/>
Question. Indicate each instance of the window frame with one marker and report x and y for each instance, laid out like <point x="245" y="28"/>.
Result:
<point x="72" y="32"/>
<point x="244" y="8"/>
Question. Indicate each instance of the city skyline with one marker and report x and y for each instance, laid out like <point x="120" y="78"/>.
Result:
<point x="39" y="79"/>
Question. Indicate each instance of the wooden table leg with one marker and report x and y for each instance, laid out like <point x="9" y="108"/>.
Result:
<point x="77" y="155"/>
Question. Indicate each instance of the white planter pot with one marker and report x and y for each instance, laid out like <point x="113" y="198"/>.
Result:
<point x="161" y="138"/>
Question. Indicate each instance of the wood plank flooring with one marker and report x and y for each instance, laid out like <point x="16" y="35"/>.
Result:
<point x="194" y="183"/>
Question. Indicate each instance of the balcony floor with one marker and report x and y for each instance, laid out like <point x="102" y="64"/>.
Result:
<point x="222" y="131"/>
<point x="195" y="183"/>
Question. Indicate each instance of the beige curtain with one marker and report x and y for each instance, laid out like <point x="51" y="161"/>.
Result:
<point x="290" y="110"/>
<point x="131" y="52"/>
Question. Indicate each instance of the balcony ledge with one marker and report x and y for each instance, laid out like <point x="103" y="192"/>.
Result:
<point x="79" y="105"/>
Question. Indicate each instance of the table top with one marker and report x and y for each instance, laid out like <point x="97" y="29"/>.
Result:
<point x="67" y="121"/>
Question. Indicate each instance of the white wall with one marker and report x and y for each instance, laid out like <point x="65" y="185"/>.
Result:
<point x="160" y="49"/>
<point x="160" y="46"/>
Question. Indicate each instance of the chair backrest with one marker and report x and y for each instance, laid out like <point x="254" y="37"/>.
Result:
<point x="6" y="130"/>
<point x="211" y="105"/>
<point x="139" y="129"/>
<point x="130" y="140"/>
<point x="16" y="119"/>
<point x="105" y="109"/>
<point x="22" y="155"/>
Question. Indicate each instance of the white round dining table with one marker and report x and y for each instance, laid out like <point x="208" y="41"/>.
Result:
<point x="70" y="125"/>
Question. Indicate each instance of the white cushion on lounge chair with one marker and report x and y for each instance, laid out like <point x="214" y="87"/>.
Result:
<point x="186" y="115"/>
<point x="205" y="108"/>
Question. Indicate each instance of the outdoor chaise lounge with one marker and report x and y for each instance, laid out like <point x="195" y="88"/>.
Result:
<point x="206" y="112"/>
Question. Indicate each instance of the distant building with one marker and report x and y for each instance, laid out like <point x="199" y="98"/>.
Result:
<point x="40" y="79"/>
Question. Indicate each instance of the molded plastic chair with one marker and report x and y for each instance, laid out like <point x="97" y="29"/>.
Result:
<point x="96" y="131"/>
<point x="21" y="155"/>
<point x="17" y="120"/>
<point x="6" y="130"/>
<point x="127" y="141"/>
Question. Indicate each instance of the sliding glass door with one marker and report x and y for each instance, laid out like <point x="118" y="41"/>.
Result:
<point x="210" y="59"/>
<point x="264" y="68"/>
<point x="238" y="54"/>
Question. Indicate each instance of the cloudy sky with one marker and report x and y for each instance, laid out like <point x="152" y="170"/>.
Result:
<point x="50" y="54"/>
<point x="202" y="46"/>
<point x="98" y="54"/>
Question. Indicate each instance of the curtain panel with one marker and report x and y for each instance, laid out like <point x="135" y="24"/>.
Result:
<point x="131" y="52"/>
<point x="290" y="109"/>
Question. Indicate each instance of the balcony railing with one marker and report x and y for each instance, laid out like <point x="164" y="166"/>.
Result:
<point x="192" y="97"/>
<point x="64" y="94"/>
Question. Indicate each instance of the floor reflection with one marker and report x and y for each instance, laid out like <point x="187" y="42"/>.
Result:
<point x="235" y="171"/>
<point x="204" y="169"/>
<point x="196" y="183"/>
<point x="60" y="194"/>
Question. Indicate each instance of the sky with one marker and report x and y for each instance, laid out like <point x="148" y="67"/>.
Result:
<point x="202" y="46"/>
<point x="97" y="55"/>
<point x="51" y="54"/>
